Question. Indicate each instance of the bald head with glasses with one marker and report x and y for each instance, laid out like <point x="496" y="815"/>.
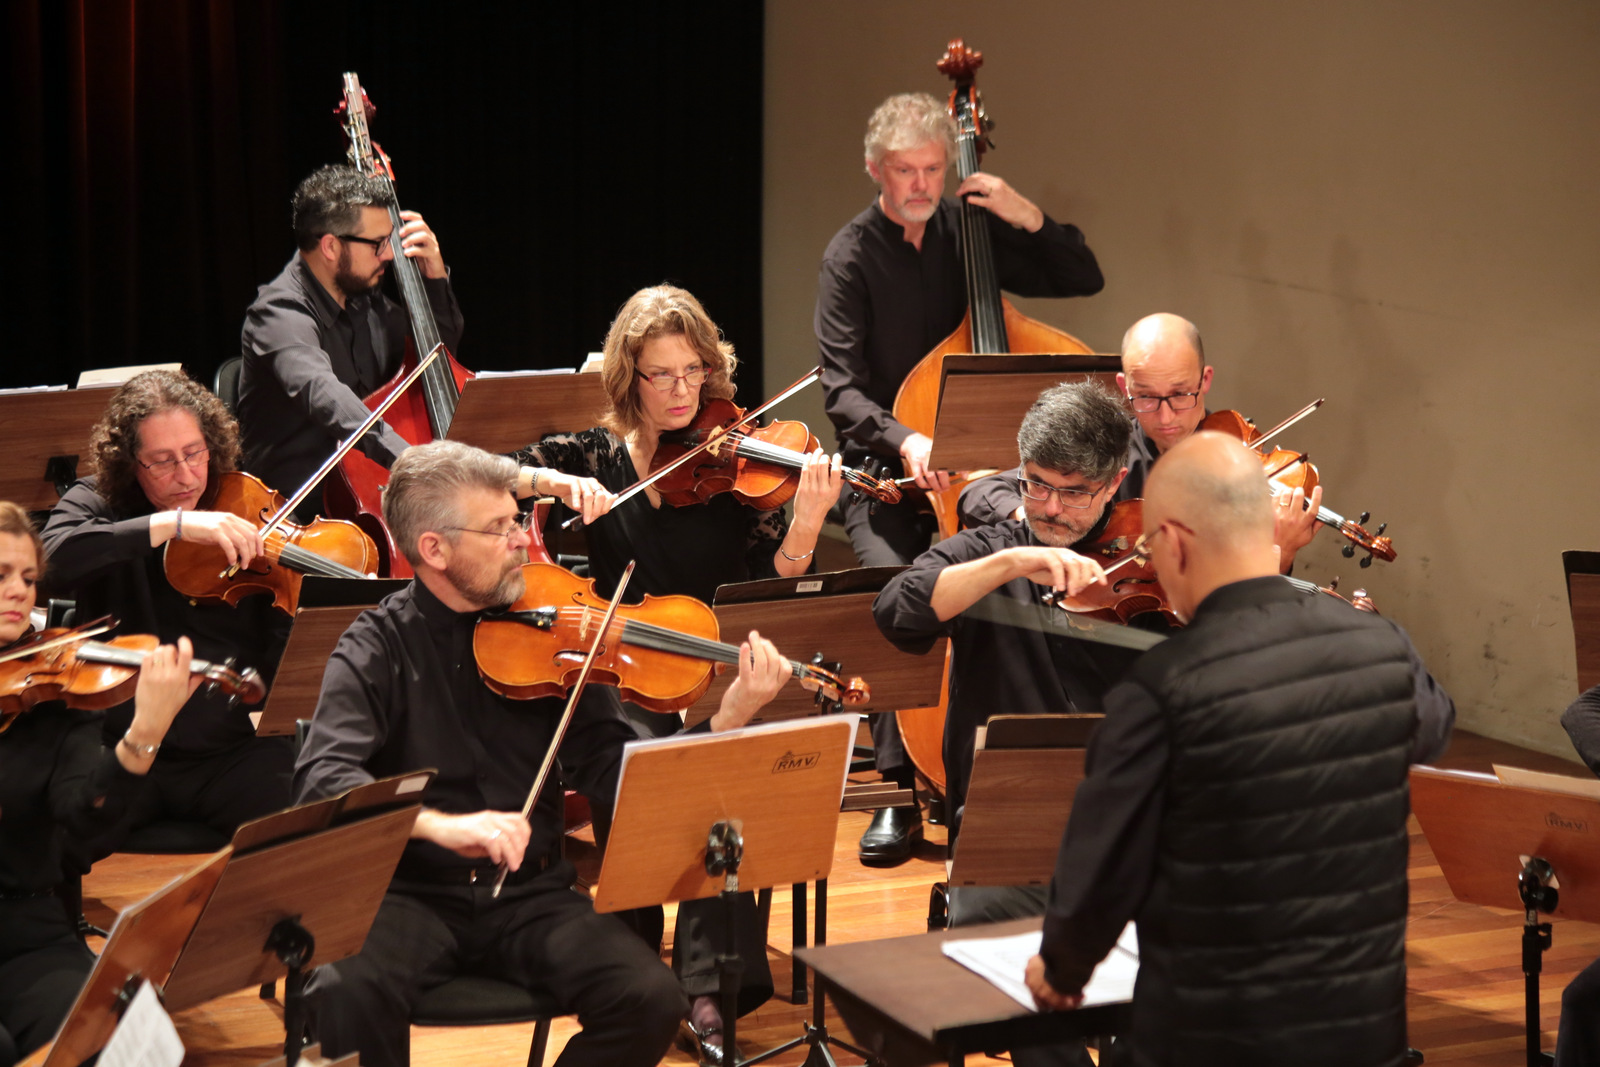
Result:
<point x="1164" y="377"/>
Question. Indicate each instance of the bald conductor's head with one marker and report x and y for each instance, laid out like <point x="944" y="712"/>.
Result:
<point x="1208" y="516"/>
<point x="1164" y="364"/>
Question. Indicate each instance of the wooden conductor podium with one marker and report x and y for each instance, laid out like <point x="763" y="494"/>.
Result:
<point x="1515" y="846"/>
<point x="294" y="890"/>
<point x="983" y="398"/>
<point x="701" y="815"/>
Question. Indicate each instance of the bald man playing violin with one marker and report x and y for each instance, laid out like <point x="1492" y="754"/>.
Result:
<point x="1164" y="381"/>
<point x="402" y="692"/>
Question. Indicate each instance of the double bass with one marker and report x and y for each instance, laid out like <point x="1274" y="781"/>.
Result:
<point x="421" y="415"/>
<point x="990" y="326"/>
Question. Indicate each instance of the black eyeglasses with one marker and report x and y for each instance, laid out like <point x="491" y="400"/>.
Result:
<point x="664" y="382"/>
<point x="375" y="243"/>
<point x="521" y="524"/>
<point x="1176" y="401"/>
<point x="166" y="468"/>
<point x="1039" y="492"/>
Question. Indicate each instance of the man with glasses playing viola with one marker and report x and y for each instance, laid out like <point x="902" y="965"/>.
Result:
<point x="1164" y="380"/>
<point x="321" y="335"/>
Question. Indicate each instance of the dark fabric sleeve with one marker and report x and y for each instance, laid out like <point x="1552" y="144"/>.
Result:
<point x="82" y="540"/>
<point x="904" y="609"/>
<point x="990" y="500"/>
<point x="446" y="312"/>
<point x="284" y="335"/>
<point x="1582" y="723"/>
<point x="1055" y="261"/>
<point x="577" y="454"/>
<point x="1108" y="853"/>
<point x="591" y="751"/>
<point x="1436" y="713"/>
<point x="767" y="531"/>
<point x="89" y="788"/>
<point x="842" y="319"/>
<point x="351" y="720"/>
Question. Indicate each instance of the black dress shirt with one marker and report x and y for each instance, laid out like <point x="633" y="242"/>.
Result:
<point x="103" y="559"/>
<point x="996" y="498"/>
<point x="55" y="775"/>
<point x="996" y="669"/>
<point x="882" y="305"/>
<point x="1107" y="860"/>
<point x="680" y="550"/>
<point x="402" y="693"/>
<point x="309" y="362"/>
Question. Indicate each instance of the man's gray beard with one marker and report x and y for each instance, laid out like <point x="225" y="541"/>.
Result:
<point x="504" y="591"/>
<point x="1056" y="535"/>
<point x="926" y="214"/>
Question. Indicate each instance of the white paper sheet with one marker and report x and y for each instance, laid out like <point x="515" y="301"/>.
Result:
<point x="1003" y="963"/>
<point x="145" y="1037"/>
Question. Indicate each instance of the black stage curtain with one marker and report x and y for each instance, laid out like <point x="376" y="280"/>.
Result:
<point x="565" y="154"/>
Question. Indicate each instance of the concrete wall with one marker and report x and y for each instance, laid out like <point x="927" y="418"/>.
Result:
<point x="1392" y="205"/>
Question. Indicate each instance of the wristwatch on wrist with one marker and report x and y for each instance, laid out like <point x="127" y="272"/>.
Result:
<point x="148" y="751"/>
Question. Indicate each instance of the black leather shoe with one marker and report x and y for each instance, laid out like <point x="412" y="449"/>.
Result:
<point x="693" y="1041"/>
<point x="889" y="839"/>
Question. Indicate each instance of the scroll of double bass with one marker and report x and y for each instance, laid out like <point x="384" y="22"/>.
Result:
<point x="991" y="326"/>
<point x="423" y="414"/>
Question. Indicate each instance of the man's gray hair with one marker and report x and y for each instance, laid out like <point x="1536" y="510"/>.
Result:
<point x="1076" y="428"/>
<point x="425" y="488"/>
<point x="906" y="121"/>
<point x="330" y="200"/>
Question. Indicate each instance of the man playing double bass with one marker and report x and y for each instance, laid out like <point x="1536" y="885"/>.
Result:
<point x="321" y="335"/>
<point x="891" y="288"/>
<point x="1164" y="379"/>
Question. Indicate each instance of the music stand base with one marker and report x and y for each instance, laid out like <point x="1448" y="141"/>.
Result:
<point x="1534" y="886"/>
<point x="294" y="946"/>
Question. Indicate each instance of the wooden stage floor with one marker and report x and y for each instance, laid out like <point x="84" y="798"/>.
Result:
<point x="1466" y="988"/>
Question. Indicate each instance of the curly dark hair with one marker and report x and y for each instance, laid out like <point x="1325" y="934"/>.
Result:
<point x="330" y="200"/>
<point x="115" y="439"/>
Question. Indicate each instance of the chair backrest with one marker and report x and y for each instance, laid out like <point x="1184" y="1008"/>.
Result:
<point x="226" y="383"/>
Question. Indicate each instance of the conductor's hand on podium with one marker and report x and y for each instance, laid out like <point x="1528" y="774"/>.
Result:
<point x="502" y="836"/>
<point x="1046" y="995"/>
<point x="762" y="672"/>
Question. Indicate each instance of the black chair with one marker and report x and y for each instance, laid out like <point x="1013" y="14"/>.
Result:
<point x="226" y="383"/>
<point x="469" y="1000"/>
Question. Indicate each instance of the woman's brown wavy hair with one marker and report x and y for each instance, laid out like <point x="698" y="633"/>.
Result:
<point x="660" y="311"/>
<point x="115" y="441"/>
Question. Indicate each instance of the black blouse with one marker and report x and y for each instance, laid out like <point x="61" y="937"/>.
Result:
<point x="54" y="775"/>
<point x="689" y="550"/>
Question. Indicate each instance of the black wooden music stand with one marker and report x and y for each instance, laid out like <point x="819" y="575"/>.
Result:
<point x="982" y="400"/>
<point x="772" y="819"/>
<point x="1505" y="846"/>
<point x="45" y="436"/>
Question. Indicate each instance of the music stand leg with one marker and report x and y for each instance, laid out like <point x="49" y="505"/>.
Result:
<point x="797" y="978"/>
<point x="293" y="945"/>
<point x="1533" y="885"/>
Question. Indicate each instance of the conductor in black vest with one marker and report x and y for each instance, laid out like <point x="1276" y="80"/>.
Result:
<point x="1246" y="801"/>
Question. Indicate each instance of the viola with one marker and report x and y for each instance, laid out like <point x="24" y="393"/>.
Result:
<point x="660" y="654"/>
<point x="760" y="466"/>
<point x="419" y="416"/>
<point x="1288" y="470"/>
<point x="991" y="326"/>
<point x="333" y="548"/>
<point x="64" y="664"/>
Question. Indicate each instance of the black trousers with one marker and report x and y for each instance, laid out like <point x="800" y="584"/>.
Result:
<point x="43" y="964"/>
<point x="1578" y="1039"/>
<point x="700" y="932"/>
<point x="888" y="535"/>
<point x="540" y="934"/>
<point x="221" y="789"/>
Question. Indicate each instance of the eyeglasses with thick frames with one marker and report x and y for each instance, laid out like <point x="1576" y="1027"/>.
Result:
<point x="663" y="383"/>
<point x="1144" y="405"/>
<point x="374" y="243"/>
<point x="1039" y="493"/>
<point x="522" y="524"/>
<point x="166" y="468"/>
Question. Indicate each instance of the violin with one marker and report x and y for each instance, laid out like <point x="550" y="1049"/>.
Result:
<point x="64" y="664"/>
<point x="1287" y="470"/>
<point x="661" y="657"/>
<point x="760" y="466"/>
<point x="332" y="548"/>
<point x="419" y="416"/>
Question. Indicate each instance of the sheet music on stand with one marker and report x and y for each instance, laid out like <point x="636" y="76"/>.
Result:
<point x="1003" y="961"/>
